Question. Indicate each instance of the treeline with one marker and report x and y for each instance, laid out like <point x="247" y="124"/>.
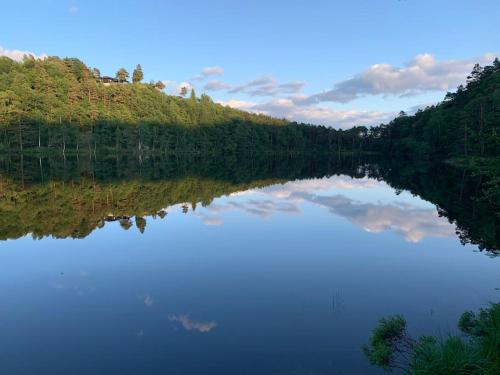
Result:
<point x="466" y="124"/>
<point x="117" y="137"/>
<point x="62" y="105"/>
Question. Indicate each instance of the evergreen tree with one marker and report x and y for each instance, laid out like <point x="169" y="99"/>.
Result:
<point x="496" y="64"/>
<point x="97" y="73"/>
<point x="137" y="75"/>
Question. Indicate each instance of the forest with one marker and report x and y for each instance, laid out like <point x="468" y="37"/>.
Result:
<point x="64" y="106"/>
<point x="61" y="105"/>
<point x="465" y="124"/>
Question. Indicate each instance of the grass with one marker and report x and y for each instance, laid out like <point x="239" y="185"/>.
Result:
<point x="476" y="352"/>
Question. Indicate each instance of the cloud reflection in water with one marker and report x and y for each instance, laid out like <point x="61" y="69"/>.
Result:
<point x="408" y="220"/>
<point x="193" y="325"/>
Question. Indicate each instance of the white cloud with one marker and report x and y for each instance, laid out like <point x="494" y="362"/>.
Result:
<point x="148" y="301"/>
<point x="209" y="71"/>
<point x="179" y="87"/>
<point x="421" y="74"/>
<point x="193" y="325"/>
<point x="212" y="71"/>
<point x="313" y="114"/>
<point x="18" y="55"/>
<point x="238" y="104"/>
<point x="167" y="83"/>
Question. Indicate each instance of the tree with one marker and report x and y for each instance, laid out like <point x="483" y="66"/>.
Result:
<point x="475" y="75"/>
<point x="496" y="64"/>
<point x="140" y="223"/>
<point x="159" y="85"/>
<point x="122" y="74"/>
<point x="97" y="73"/>
<point x="137" y="75"/>
<point x="183" y="91"/>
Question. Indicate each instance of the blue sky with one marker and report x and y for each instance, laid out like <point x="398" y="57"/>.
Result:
<point x="339" y="63"/>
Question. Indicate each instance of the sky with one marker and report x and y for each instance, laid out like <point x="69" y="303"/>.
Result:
<point x="334" y="63"/>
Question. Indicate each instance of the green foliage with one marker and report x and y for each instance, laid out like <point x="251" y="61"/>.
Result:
<point x="59" y="105"/>
<point x="476" y="354"/>
<point x="122" y="74"/>
<point x="462" y="192"/>
<point x="465" y="124"/>
<point x="137" y="75"/>
<point x="450" y="356"/>
<point x="484" y="330"/>
<point x="382" y="349"/>
<point x="97" y="73"/>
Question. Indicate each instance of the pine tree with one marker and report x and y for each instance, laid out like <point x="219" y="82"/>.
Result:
<point x="496" y="64"/>
<point x="97" y="73"/>
<point x="137" y="75"/>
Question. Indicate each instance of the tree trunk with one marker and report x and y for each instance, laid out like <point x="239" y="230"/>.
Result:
<point x="465" y="138"/>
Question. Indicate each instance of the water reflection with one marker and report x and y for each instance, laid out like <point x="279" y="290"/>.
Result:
<point x="73" y="199"/>
<point x="255" y="266"/>
<point x="193" y="325"/>
<point x="412" y="222"/>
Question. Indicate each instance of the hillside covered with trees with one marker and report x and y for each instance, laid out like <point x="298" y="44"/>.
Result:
<point x="63" y="105"/>
<point x="465" y="124"/>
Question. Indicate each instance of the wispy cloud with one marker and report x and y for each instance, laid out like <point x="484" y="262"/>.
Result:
<point x="216" y="85"/>
<point x="268" y="86"/>
<point x="313" y="114"/>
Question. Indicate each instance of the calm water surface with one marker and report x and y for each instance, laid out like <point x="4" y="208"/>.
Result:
<point x="282" y="277"/>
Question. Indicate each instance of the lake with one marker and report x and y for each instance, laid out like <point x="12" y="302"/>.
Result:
<point x="245" y="265"/>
